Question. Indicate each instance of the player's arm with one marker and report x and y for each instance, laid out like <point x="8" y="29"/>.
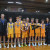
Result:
<point x="7" y="28"/>
<point x="14" y="28"/>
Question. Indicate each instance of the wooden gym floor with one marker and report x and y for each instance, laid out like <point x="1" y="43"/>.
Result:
<point x="29" y="48"/>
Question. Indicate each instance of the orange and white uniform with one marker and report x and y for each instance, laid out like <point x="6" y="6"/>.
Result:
<point x="43" y="30"/>
<point x="10" y="30"/>
<point x="31" y="31"/>
<point x="37" y="30"/>
<point x="24" y="33"/>
<point x="17" y="29"/>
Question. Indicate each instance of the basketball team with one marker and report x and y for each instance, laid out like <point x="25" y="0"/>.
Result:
<point x="23" y="30"/>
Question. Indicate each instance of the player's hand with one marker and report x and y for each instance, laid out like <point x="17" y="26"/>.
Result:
<point x="7" y="34"/>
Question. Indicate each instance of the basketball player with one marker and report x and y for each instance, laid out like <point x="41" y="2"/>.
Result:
<point x="3" y="26"/>
<point x="43" y="32"/>
<point x="24" y="32"/>
<point x="37" y="31"/>
<point x="17" y="31"/>
<point x="31" y="32"/>
<point x="28" y="25"/>
<point x="10" y="31"/>
<point x="27" y="21"/>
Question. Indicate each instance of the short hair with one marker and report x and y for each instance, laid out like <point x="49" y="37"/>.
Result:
<point x="42" y="20"/>
<point x="27" y="18"/>
<point x="2" y="14"/>
<point x="47" y="17"/>
<point x="32" y="18"/>
<point x="36" y="19"/>
<point x="24" y="19"/>
<point x="10" y="17"/>
<point x="20" y="16"/>
<point x="17" y="17"/>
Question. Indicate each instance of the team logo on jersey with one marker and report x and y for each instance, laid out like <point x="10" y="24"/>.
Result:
<point x="17" y="25"/>
<point x="11" y="27"/>
<point x="42" y="27"/>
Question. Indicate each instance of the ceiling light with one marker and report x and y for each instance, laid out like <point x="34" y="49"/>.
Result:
<point x="18" y="2"/>
<point x="10" y="2"/>
<point x="46" y="0"/>
<point x="37" y="11"/>
<point x="48" y="12"/>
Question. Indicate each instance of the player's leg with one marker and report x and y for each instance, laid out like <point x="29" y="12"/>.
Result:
<point x="8" y="40"/>
<point x="8" y="43"/>
<point x="35" y="39"/>
<point x="4" y="41"/>
<point x="19" y="42"/>
<point x="29" y="41"/>
<point x="44" y="39"/>
<point x="0" y="41"/>
<point x="25" y="41"/>
<point x="22" y="39"/>
<point x="15" y="40"/>
<point x="32" y="41"/>
<point x="41" y="39"/>
<point x="12" y="41"/>
<point x="25" y="36"/>
<point x="22" y="43"/>
<point x="38" y="40"/>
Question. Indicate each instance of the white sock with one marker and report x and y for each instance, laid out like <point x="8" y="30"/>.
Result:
<point x="38" y="42"/>
<point x="25" y="42"/>
<point x="22" y="43"/>
<point x="4" y="44"/>
<point x="35" y="42"/>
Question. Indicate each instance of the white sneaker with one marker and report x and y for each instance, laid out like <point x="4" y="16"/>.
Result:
<point x="8" y="46"/>
<point x="11" y="46"/>
<point x="41" y="44"/>
<point x="19" y="45"/>
<point x="35" y="44"/>
<point x="0" y="46"/>
<point x="4" y="46"/>
<point x="44" y="44"/>
<point x="38" y="44"/>
<point x="32" y="44"/>
<point x="14" y="46"/>
<point x="29" y="44"/>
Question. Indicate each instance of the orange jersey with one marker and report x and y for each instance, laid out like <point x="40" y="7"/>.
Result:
<point x="24" y="33"/>
<point x="23" y="25"/>
<point x="43" y="28"/>
<point x="31" y="31"/>
<point x="37" y="30"/>
<point x="10" y="28"/>
<point x="17" y="27"/>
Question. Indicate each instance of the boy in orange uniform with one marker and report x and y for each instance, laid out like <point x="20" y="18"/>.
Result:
<point x="24" y="32"/>
<point x="37" y="31"/>
<point x="31" y="32"/>
<point x="43" y="32"/>
<point x="10" y="31"/>
<point x="17" y="31"/>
